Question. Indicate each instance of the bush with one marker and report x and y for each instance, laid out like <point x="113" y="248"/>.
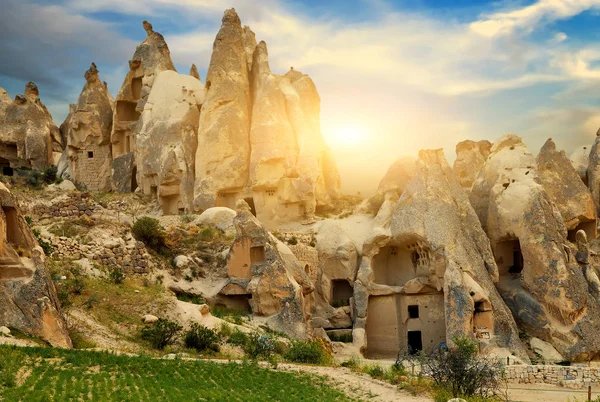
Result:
<point x="116" y="276"/>
<point x="259" y="346"/>
<point x="238" y="338"/>
<point x="162" y="333"/>
<point x="201" y="338"/>
<point x="306" y="352"/>
<point x="49" y="174"/>
<point x="461" y="372"/>
<point x="293" y="241"/>
<point x="149" y="231"/>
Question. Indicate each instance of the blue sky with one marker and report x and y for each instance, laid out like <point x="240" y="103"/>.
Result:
<point x="394" y="76"/>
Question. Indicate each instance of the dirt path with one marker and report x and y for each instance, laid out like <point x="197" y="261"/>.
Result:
<point x="356" y="385"/>
<point x="548" y="393"/>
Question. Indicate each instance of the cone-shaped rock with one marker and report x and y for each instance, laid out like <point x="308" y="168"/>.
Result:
<point x="593" y="172"/>
<point x="194" y="72"/>
<point x="88" y="129"/>
<point x="223" y="153"/>
<point x="470" y="158"/>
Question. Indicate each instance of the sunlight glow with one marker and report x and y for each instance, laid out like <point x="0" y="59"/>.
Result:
<point x="349" y="135"/>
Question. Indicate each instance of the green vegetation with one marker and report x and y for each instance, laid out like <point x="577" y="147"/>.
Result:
<point x="116" y="276"/>
<point x="237" y="338"/>
<point x="149" y="231"/>
<point x="161" y="334"/>
<point x="232" y="315"/>
<point x="201" y="338"/>
<point x="312" y="352"/>
<point x="194" y="299"/>
<point x="46" y="374"/>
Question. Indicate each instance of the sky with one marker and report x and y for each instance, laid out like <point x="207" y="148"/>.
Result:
<point x="394" y="76"/>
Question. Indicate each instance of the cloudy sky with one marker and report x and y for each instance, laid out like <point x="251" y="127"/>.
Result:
<point x="394" y="76"/>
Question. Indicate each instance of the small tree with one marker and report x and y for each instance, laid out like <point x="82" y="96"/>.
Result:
<point x="201" y="338"/>
<point x="460" y="371"/>
<point x="162" y="333"/>
<point x="149" y="231"/>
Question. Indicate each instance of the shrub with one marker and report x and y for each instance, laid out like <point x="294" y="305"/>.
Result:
<point x="232" y="315"/>
<point x="306" y="352"/>
<point x="49" y="174"/>
<point x="226" y="330"/>
<point x="201" y="338"/>
<point x="259" y="346"/>
<point x="461" y="372"/>
<point x="293" y="241"/>
<point x="162" y="333"/>
<point x="77" y="285"/>
<point x="345" y="337"/>
<point x="194" y="299"/>
<point x="238" y="338"/>
<point x="34" y="179"/>
<point x="116" y="276"/>
<point x="29" y="220"/>
<point x="207" y="234"/>
<point x="352" y="363"/>
<point x="149" y="231"/>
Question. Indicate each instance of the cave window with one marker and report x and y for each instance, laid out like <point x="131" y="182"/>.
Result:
<point x="341" y="292"/>
<point x="517" y="266"/>
<point x="257" y="255"/>
<point x="393" y="251"/>
<point x="307" y="269"/>
<point x="413" y="311"/>
<point x="415" y="257"/>
<point x="270" y="193"/>
<point x="479" y="306"/>
<point x="12" y="225"/>
<point x="90" y="154"/>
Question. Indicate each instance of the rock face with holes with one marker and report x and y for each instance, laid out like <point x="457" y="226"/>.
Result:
<point x="223" y="148"/>
<point x="539" y="277"/>
<point x="427" y="272"/>
<point x="150" y="58"/>
<point x="28" y="136"/>
<point x="166" y="140"/>
<point x="470" y="157"/>
<point x="565" y="188"/>
<point x="264" y="277"/>
<point x="28" y="299"/>
<point x="87" y="128"/>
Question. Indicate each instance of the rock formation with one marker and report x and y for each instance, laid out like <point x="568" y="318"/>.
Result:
<point x="167" y="138"/>
<point x="470" y="157"/>
<point x="223" y="152"/>
<point x="265" y="276"/>
<point x="194" y="72"/>
<point x="28" y="299"/>
<point x="540" y="279"/>
<point x="562" y="183"/>
<point x="150" y="58"/>
<point x="580" y="159"/>
<point x="88" y="128"/>
<point x="393" y="182"/>
<point x="427" y="273"/>
<point x="593" y="172"/>
<point x="4" y="102"/>
<point x="28" y="136"/>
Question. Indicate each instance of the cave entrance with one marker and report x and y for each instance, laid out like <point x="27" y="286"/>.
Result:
<point x="483" y="319"/>
<point x="588" y="227"/>
<point x="509" y="257"/>
<point x="134" y="184"/>
<point x="382" y="326"/>
<point x="415" y="342"/>
<point x="13" y="234"/>
<point x="257" y="255"/>
<point x="341" y="292"/>
<point x="6" y="169"/>
<point x="136" y="87"/>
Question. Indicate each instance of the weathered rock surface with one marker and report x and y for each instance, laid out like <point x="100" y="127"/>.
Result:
<point x="470" y="158"/>
<point x="28" y="299"/>
<point x="28" y="136"/>
<point x="546" y="351"/>
<point x="150" y="58"/>
<point x="593" y="172"/>
<point x="4" y="102"/>
<point x="194" y="72"/>
<point x="218" y="217"/>
<point x="433" y="254"/>
<point x="562" y="183"/>
<point x="259" y="274"/>
<point x="393" y="182"/>
<point x="166" y="140"/>
<point x="580" y="159"/>
<point x="223" y="148"/>
<point x="122" y="173"/>
<point x="87" y="129"/>
<point x="540" y="279"/>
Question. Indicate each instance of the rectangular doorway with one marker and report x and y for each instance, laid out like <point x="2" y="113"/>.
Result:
<point x="415" y="342"/>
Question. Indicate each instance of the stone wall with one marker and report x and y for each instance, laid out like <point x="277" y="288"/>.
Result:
<point x="66" y="205"/>
<point x="309" y="259"/>
<point x="91" y="167"/>
<point x="566" y="376"/>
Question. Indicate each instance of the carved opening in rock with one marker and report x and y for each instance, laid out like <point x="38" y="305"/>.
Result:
<point x="588" y="227"/>
<point x="250" y="202"/>
<point x="307" y="269"/>
<point x="170" y="204"/>
<point x="341" y="292"/>
<point x="257" y="255"/>
<point x="136" y="87"/>
<point x="415" y="342"/>
<point x="395" y="265"/>
<point x="134" y="184"/>
<point x="509" y="257"/>
<point x="483" y="320"/>
<point x="154" y="190"/>
<point x="382" y="326"/>
<point x="413" y="311"/>
<point x="13" y="233"/>
<point x="423" y="312"/>
<point x="235" y="302"/>
<point x="8" y="151"/>
<point x="6" y="169"/>
<point x="119" y="143"/>
<point x="90" y="154"/>
<point x="226" y="199"/>
<point x="126" y="111"/>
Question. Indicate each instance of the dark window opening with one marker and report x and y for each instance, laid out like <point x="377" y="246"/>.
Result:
<point x="517" y="266"/>
<point x="393" y="251"/>
<point x="413" y="311"/>
<point x="415" y="257"/>
<point x="90" y="154"/>
<point x="154" y="190"/>
<point x="136" y="87"/>
<point x="134" y="184"/>
<point x="341" y="292"/>
<point x="250" y="202"/>
<point x="257" y="255"/>
<point x="415" y="342"/>
<point x="307" y="269"/>
<point x="7" y="171"/>
<point x="479" y="307"/>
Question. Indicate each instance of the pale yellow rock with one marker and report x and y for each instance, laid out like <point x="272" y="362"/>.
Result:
<point x="470" y="158"/>
<point x="580" y="159"/>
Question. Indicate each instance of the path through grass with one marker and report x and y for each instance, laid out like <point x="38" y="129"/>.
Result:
<point x="46" y="374"/>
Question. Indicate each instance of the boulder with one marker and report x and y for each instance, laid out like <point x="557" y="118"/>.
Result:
<point x="87" y="130"/>
<point x="430" y="268"/>
<point x="149" y="319"/>
<point x="166" y="140"/>
<point x="27" y="294"/>
<point x="223" y="152"/>
<point x="150" y="58"/>
<point x="547" y="352"/>
<point x="218" y="217"/>
<point x="562" y="183"/>
<point x="540" y="279"/>
<point x="470" y="158"/>
<point x="123" y="178"/>
<point x="4" y="331"/>
<point x="28" y="135"/>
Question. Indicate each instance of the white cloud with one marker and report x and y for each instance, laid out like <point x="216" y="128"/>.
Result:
<point x="559" y="38"/>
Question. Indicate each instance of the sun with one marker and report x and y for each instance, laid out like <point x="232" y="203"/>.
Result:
<point x="349" y="135"/>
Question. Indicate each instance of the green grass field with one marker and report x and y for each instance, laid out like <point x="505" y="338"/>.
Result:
<point x="46" y="374"/>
